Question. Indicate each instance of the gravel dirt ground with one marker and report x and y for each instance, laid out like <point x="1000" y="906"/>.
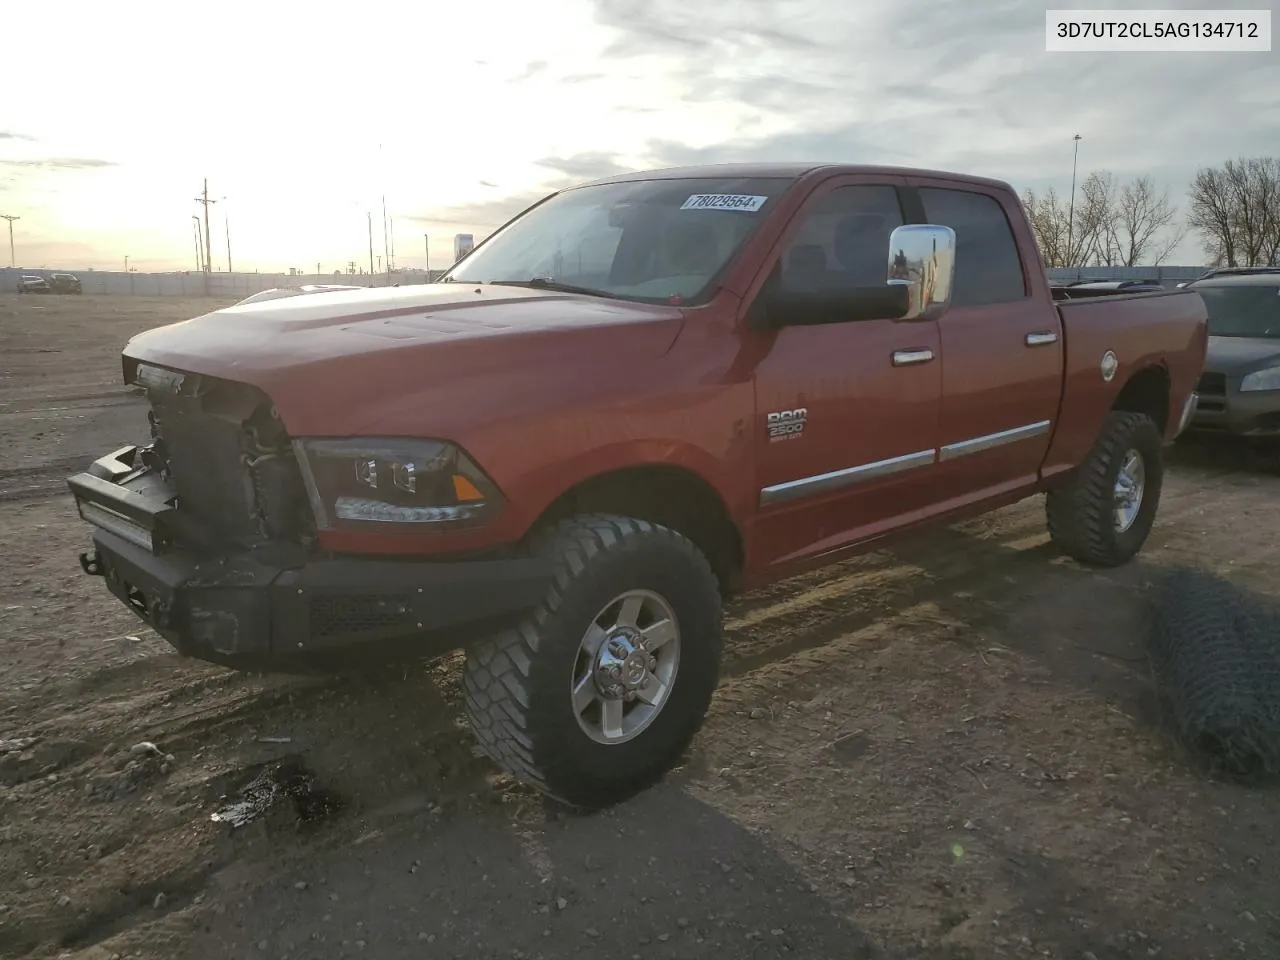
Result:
<point x="947" y="749"/>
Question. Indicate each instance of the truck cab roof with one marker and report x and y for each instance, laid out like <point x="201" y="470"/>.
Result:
<point x="789" y="171"/>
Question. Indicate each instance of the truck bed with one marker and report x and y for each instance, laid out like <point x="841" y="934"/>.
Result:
<point x="1161" y="330"/>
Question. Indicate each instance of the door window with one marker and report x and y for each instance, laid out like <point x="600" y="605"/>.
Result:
<point x="843" y="241"/>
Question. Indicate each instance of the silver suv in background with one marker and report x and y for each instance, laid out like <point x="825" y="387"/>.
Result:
<point x="29" y="283"/>
<point x="1240" y="387"/>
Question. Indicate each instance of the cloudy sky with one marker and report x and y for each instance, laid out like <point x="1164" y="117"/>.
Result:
<point x="303" y="115"/>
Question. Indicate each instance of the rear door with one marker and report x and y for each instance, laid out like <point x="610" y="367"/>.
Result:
<point x="1002" y="376"/>
<point x="846" y="413"/>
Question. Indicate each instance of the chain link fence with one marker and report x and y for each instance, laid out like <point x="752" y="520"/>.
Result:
<point x="1215" y="654"/>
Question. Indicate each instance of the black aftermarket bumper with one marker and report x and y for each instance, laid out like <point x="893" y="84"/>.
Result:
<point x="273" y="607"/>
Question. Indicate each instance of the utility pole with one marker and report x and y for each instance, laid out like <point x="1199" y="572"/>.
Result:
<point x="392" y="262"/>
<point x="195" y="229"/>
<point x="13" y="262"/>
<point x="426" y="251"/>
<point x="1071" y="209"/>
<point x="386" y="240"/>
<point x="209" y="247"/>
<point x="369" y="214"/>
<point x="227" y="223"/>
<point x="208" y="243"/>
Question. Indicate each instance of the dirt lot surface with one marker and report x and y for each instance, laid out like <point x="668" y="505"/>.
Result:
<point x="943" y="750"/>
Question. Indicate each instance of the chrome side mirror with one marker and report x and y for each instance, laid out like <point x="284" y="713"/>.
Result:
<point x="922" y="257"/>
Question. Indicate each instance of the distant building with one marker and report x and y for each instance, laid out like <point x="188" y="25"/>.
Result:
<point x="463" y="243"/>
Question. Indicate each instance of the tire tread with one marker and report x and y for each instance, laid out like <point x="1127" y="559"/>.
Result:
<point x="1079" y="512"/>
<point x="498" y="677"/>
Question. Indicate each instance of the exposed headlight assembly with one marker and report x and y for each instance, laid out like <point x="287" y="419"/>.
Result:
<point x="393" y="481"/>
<point x="1261" y="380"/>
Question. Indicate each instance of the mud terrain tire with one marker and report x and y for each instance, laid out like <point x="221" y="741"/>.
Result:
<point x="1082" y="513"/>
<point x="522" y="685"/>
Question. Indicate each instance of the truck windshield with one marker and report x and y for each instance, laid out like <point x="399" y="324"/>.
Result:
<point x="645" y="240"/>
<point x="1246" y="311"/>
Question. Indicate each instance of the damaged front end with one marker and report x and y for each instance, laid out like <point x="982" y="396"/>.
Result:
<point x="217" y="493"/>
<point x="219" y="475"/>
<point x="230" y="462"/>
<point x="208" y="533"/>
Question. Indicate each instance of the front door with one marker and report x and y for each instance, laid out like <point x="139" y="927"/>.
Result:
<point x="846" y="413"/>
<point x="1002" y="380"/>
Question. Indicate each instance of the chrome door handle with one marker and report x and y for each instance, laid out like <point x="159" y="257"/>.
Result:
<point x="904" y="358"/>
<point x="1041" y="339"/>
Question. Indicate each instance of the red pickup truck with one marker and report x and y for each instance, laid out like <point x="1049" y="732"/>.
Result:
<point x="639" y="396"/>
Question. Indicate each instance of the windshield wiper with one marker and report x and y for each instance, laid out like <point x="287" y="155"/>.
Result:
<point x="546" y="283"/>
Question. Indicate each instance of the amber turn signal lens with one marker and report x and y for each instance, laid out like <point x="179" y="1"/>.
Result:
<point x="465" y="490"/>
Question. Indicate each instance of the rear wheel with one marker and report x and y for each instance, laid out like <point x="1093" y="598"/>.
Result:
<point x="1104" y="513"/>
<point x="599" y="692"/>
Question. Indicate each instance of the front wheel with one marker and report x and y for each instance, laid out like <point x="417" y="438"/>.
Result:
<point x="1104" y="513"/>
<point x="599" y="692"/>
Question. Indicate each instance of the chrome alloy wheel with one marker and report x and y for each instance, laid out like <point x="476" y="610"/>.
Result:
<point x="1128" y="490"/>
<point x="626" y="667"/>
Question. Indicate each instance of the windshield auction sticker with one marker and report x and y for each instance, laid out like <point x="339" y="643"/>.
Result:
<point x="723" y="201"/>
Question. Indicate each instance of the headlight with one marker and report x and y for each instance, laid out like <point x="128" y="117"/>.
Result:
<point x="1262" y="380"/>
<point x="393" y="481"/>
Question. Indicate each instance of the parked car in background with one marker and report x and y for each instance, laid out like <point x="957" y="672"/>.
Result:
<point x="1240" y="387"/>
<point x="1230" y="272"/>
<point x="29" y="283"/>
<point x="64" y="283"/>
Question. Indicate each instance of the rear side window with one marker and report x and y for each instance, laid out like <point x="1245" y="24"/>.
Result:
<point x="988" y="267"/>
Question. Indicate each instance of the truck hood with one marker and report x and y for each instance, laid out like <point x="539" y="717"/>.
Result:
<point x="1236" y="356"/>
<point x="343" y="362"/>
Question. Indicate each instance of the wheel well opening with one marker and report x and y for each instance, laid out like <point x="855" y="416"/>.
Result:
<point x="1147" y="392"/>
<point x="666" y="495"/>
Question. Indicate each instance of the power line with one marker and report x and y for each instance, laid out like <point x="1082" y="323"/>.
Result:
<point x="12" y="260"/>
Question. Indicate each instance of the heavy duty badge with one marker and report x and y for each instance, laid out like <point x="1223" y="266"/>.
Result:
<point x="787" y="424"/>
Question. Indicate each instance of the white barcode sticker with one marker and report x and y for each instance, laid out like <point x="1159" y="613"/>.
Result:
<point x="723" y="201"/>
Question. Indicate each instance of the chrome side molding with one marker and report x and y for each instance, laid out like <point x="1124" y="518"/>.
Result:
<point x="991" y="440"/>
<point x="824" y="482"/>
<point x="837" y="479"/>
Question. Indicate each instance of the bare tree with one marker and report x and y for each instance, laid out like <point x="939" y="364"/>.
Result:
<point x="1069" y="237"/>
<point x="1113" y="224"/>
<point x="1211" y="215"/>
<point x="1236" y="210"/>
<point x="1095" y="218"/>
<point x="1144" y="229"/>
<point x="1048" y="218"/>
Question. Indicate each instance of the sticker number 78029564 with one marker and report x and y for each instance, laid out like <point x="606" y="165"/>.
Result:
<point x="724" y="201"/>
